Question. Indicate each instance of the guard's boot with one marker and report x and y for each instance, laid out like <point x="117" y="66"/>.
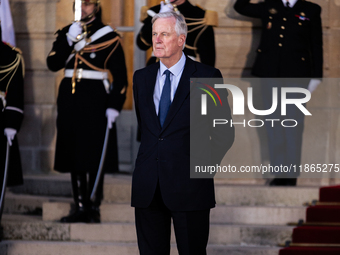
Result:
<point x="79" y="187"/>
<point x="1" y="233"/>
<point x="94" y="213"/>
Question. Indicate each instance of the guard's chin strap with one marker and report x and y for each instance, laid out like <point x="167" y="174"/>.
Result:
<point x="90" y="16"/>
<point x="174" y="2"/>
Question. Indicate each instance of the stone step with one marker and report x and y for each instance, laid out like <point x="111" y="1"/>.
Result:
<point x="122" y="212"/>
<point x="97" y="248"/>
<point x="33" y="228"/>
<point x="28" y="204"/>
<point x="32" y="204"/>
<point x="117" y="188"/>
<point x="255" y="195"/>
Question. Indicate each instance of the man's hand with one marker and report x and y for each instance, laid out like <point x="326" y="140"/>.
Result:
<point x="166" y="7"/>
<point x="111" y="115"/>
<point x="313" y="84"/>
<point x="10" y="133"/>
<point x="74" y="30"/>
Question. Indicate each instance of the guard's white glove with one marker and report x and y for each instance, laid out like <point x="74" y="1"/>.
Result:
<point x="151" y="13"/>
<point x="313" y="84"/>
<point x="10" y="133"/>
<point x="166" y="7"/>
<point x="74" y="30"/>
<point x="111" y="115"/>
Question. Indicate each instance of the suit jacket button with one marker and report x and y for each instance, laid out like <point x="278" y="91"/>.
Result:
<point x="160" y="139"/>
<point x="280" y="44"/>
<point x="303" y="59"/>
<point x="284" y="19"/>
<point x="259" y="50"/>
<point x="282" y="27"/>
<point x="281" y="36"/>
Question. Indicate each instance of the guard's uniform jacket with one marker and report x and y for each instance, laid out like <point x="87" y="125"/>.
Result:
<point x="200" y="39"/>
<point x="291" y="41"/>
<point x="95" y="79"/>
<point x="11" y="109"/>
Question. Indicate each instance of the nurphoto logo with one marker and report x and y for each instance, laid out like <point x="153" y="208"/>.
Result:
<point x="239" y="105"/>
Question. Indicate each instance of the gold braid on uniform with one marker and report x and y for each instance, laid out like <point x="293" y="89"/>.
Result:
<point x="95" y="48"/>
<point x="200" y="24"/>
<point x="11" y="69"/>
<point x="210" y="19"/>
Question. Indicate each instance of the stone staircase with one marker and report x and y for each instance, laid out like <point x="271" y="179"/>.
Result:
<point x="249" y="219"/>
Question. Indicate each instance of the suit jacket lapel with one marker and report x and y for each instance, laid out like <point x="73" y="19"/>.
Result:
<point x="150" y="87"/>
<point x="182" y="91"/>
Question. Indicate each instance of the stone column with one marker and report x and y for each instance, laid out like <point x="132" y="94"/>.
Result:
<point x="34" y="22"/>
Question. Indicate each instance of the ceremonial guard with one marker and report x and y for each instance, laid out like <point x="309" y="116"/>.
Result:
<point x="290" y="47"/>
<point x="200" y="40"/>
<point x="11" y="116"/>
<point x="91" y="96"/>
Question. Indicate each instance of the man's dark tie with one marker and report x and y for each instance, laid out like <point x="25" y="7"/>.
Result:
<point x="165" y="102"/>
<point x="287" y="4"/>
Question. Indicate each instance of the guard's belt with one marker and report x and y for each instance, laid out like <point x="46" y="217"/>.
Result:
<point x="91" y="75"/>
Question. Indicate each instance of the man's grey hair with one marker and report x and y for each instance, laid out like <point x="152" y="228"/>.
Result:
<point x="181" y="27"/>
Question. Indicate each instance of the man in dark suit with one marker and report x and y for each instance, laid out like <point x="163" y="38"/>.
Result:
<point x="161" y="186"/>
<point x="290" y="47"/>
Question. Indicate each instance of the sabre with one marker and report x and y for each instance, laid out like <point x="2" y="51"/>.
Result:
<point x="78" y="19"/>
<point x="101" y="164"/>
<point x="4" y="181"/>
<point x="77" y="10"/>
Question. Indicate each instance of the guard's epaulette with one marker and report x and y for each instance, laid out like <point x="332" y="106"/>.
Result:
<point x="14" y="48"/>
<point x="211" y="18"/>
<point x="143" y="13"/>
<point x="57" y="32"/>
<point x="199" y="6"/>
